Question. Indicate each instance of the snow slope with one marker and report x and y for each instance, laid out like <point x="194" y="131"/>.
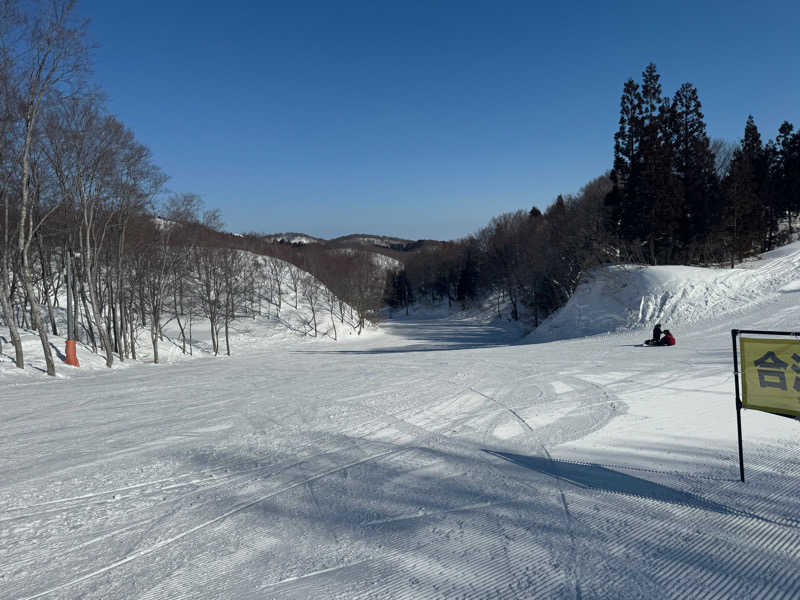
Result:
<point x="261" y="323"/>
<point x="437" y="459"/>
<point x="625" y="297"/>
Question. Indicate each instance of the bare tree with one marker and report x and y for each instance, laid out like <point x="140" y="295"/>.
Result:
<point x="723" y="151"/>
<point x="364" y="285"/>
<point x="183" y="213"/>
<point x="312" y="293"/>
<point x="332" y="302"/>
<point x="54" y="57"/>
<point x="82" y="147"/>
<point x="295" y="274"/>
<point x="8" y="160"/>
<point x="158" y="262"/>
<point x="136" y="180"/>
<point x="208" y="270"/>
<point x="182" y="300"/>
<point x="277" y="271"/>
<point x="233" y="275"/>
<point x="183" y="208"/>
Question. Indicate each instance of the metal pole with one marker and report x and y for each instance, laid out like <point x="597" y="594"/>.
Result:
<point x="734" y="334"/>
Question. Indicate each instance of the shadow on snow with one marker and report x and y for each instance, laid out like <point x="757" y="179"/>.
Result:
<point x="602" y="478"/>
<point x="438" y="336"/>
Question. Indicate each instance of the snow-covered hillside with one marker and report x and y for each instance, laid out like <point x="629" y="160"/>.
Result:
<point x="437" y="458"/>
<point x="278" y="310"/>
<point x="627" y="297"/>
<point x="383" y="241"/>
<point x="292" y="238"/>
<point x="386" y="263"/>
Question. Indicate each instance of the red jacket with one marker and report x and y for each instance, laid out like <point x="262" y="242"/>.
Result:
<point x="668" y="339"/>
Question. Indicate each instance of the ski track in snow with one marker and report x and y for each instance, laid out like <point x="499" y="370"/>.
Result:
<point x="436" y="460"/>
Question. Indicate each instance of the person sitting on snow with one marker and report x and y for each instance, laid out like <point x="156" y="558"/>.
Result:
<point x="667" y="340"/>
<point x="656" y="334"/>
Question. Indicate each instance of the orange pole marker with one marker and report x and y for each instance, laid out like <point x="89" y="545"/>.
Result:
<point x="72" y="353"/>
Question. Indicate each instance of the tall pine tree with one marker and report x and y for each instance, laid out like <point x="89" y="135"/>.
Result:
<point x="621" y="205"/>
<point x="743" y="187"/>
<point x="643" y="205"/>
<point x="787" y="172"/>
<point x="694" y="167"/>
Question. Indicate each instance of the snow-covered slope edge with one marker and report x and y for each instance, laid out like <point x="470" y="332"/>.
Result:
<point x="286" y="306"/>
<point x="624" y="297"/>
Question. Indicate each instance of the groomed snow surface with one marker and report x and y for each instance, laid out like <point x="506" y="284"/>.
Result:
<point x="440" y="457"/>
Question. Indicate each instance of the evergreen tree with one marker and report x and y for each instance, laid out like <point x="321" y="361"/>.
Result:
<point x="742" y="214"/>
<point x="653" y="183"/>
<point x="641" y="206"/>
<point x="622" y="205"/>
<point x="627" y="138"/>
<point x="694" y="166"/>
<point x="787" y="172"/>
<point x="757" y="158"/>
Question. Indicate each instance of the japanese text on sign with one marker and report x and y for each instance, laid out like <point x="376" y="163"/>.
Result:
<point x="771" y="375"/>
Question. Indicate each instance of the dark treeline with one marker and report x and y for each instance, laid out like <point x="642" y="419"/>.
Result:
<point x="672" y="197"/>
<point x="526" y="259"/>
<point x="678" y="198"/>
<point x="77" y="202"/>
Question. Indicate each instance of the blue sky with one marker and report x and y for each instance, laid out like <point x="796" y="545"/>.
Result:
<point x="419" y="119"/>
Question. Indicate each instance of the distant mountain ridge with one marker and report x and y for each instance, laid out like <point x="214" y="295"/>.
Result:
<point x="351" y="240"/>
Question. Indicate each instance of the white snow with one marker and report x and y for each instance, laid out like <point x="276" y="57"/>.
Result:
<point x="387" y="263"/>
<point x="437" y="458"/>
<point x="626" y="297"/>
<point x="291" y="238"/>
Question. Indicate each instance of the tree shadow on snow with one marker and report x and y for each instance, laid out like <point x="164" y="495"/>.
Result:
<point x="61" y="356"/>
<point x="290" y="511"/>
<point x="602" y="478"/>
<point x="440" y="336"/>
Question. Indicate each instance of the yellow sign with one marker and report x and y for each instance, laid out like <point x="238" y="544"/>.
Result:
<point x="771" y="375"/>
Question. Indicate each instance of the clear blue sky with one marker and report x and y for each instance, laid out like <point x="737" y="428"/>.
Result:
<point x="419" y="119"/>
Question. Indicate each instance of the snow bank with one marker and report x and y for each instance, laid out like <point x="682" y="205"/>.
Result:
<point x="625" y="297"/>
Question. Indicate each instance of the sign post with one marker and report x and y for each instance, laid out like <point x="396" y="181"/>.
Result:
<point x="734" y="333"/>
<point x="770" y="371"/>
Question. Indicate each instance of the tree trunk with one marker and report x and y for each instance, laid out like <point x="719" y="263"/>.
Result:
<point x="36" y="318"/>
<point x="86" y="313"/>
<point x="26" y="232"/>
<point x="46" y="276"/>
<point x="119" y="329"/>
<point x="96" y="316"/>
<point x="214" y="340"/>
<point x="112" y="305"/>
<point x="76" y="307"/>
<point x="142" y="304"/>
<point x="123" y="325"/>
<point x="227" y="338"/>
<point x="6" y="299"/>
<point x="132" y="325"/>
<point x="154" y="339"/>
<point x="16" y="341"/>
<point x="177" y="303"/>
